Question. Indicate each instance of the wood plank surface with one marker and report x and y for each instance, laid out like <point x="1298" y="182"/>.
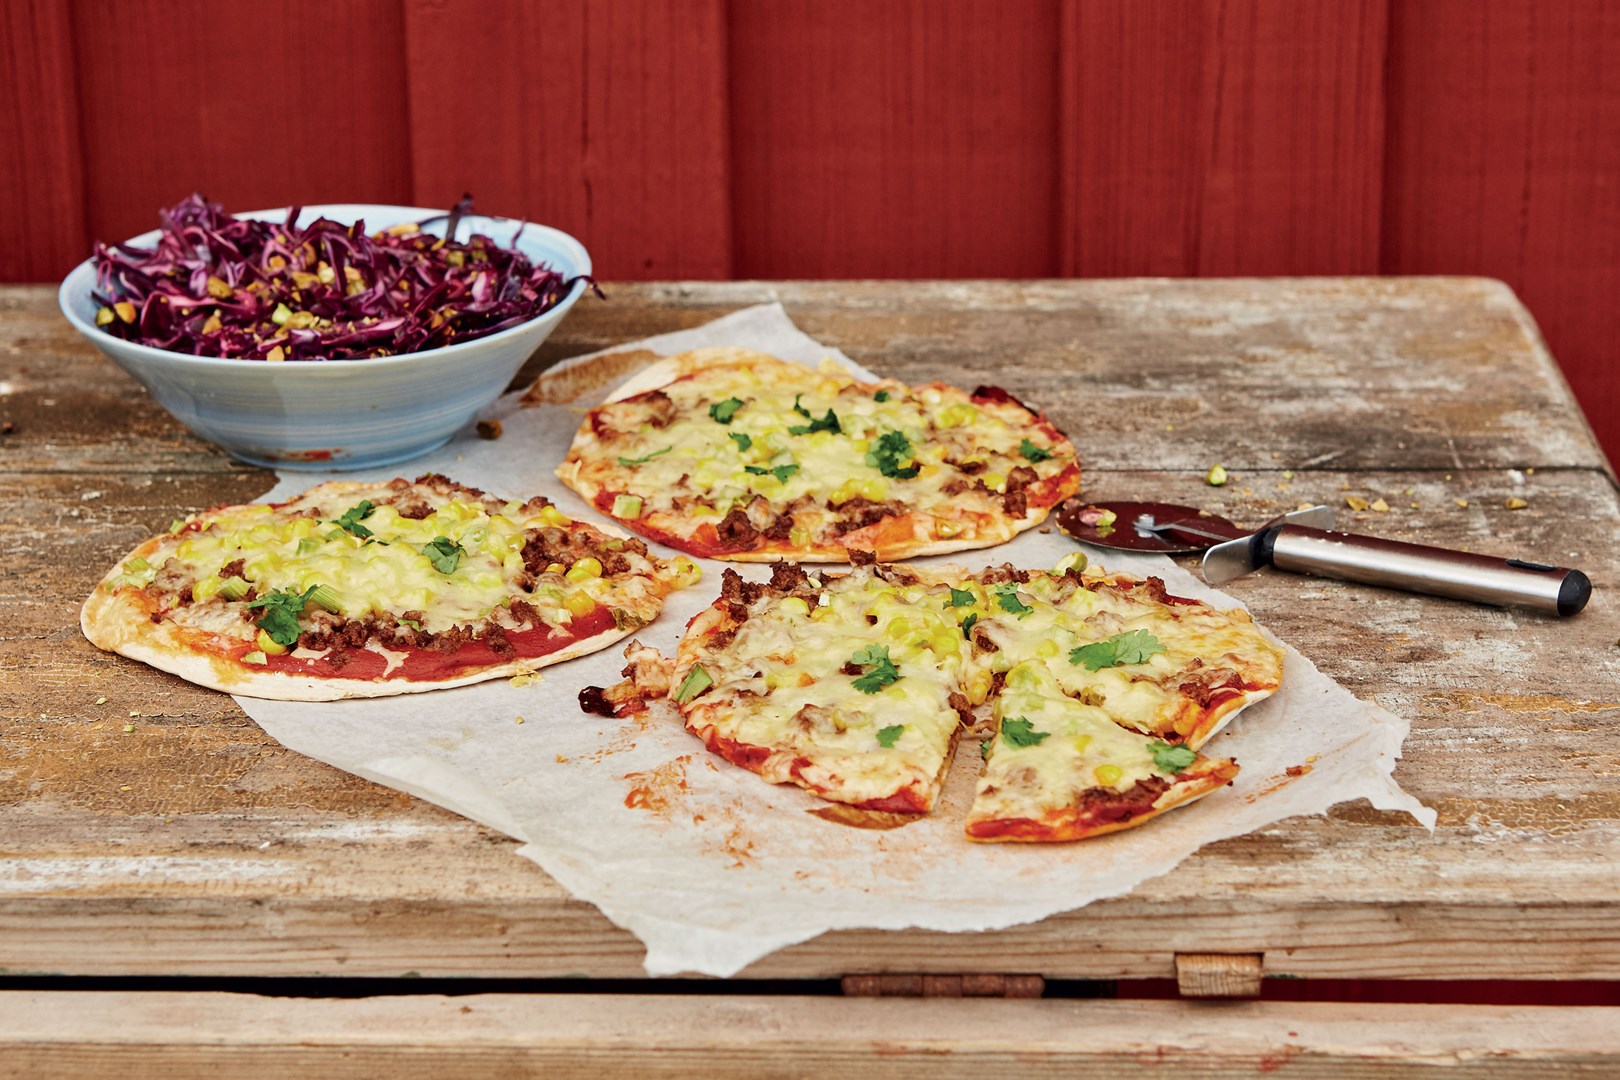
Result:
<point x="606" y="119"/>
<point x="262" y="108"/>
<point x="1221" y="137"/>
<point x="42" y="230"/>
<point x="196" y="1036"/>
<point x="919" y="146"/>
<point x="1504" y="157"/>
<point x="138" y="852"/>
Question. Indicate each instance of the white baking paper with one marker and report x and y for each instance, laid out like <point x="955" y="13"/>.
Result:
<point x="711" y="867"/>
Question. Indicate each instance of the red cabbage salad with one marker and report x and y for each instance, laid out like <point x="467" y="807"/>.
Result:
<point x="222" y="286"/>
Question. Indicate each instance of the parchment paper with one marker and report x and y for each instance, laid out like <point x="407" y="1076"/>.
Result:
<point x="711" y="867"/>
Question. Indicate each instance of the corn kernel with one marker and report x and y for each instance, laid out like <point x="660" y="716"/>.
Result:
<point x="555" y="568"/>
<point x="796" y="606"/>
<point x="957" y="415"/>
<point x="947" y="529"/>
<point x="1081" y="742"/>
<point x="579" y="604"/>
<point x="899" y="628"/>
<point x="586" y="569"/>
<point x="269" y="645"/>
<point x="799" y="536"/>
<point x="687" y="572"/>
<point x="1047" y="649"/>
<point x="553" y="516"/>
<point x="995" y="481"/>
<point x="1108" y="775"/>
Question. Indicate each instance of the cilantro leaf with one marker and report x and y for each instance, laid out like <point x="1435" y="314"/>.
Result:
<point x="984" y="748"/>
<point x="353" y="516"/>
<point x="1172" y="759"/>
<point x="781" y="472"/>
<point x="890" y="450"/>
<point x="1016" y="731"/>
<point x="960" y="598"/>
<point x="826" y="423"/>
<point x="281" y="611"/>
<point x="645" y="457"/>
<point x="880" y="670"/>
<point x="800" y="409"/>
<point x="723" y="411"/>
<point x="444" y="553"/>
<point x="1007" y="600"/>
<point x="743" y="441"/>
<point x="697" y="680"/>
<point x="967" y="625"/>
<point x="886" y="736"/>
<point x="1032" y="452"/>
<point x="881" y="396"/>
<point x="1131" y="647"/>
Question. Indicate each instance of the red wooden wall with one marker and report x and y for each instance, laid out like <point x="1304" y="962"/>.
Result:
<point x="864" y="138"/>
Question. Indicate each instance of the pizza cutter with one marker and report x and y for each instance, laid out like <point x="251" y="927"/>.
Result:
<point x="1305" y="542"/>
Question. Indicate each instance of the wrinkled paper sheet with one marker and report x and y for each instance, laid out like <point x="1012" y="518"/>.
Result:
<point x="711" y="867"/>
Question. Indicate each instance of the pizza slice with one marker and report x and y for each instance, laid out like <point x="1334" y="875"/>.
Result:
<point x="366" y="590"/>
<point x="732" y="454"/>
<point x="1060" y="769"/>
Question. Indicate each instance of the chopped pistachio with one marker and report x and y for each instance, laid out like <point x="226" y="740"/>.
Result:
<point x="1216" y="477"/>
<point x="1356" y="502"/>
<point x="1380" y="506"/>
<point x="1515" y="503"/>
<point x="1461" y="502"/>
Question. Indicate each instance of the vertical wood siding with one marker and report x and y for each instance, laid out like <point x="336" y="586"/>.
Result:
<point x="864" y="138"/>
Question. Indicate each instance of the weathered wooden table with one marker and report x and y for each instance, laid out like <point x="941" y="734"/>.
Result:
<point x="148" y="828"/>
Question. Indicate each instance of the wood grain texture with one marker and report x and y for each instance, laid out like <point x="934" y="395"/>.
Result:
<point x="256" y="110"/>
<point x="609" y="121"/>
<point x="128" y="852"/>
<point x="1221" y="137"/>
<point x="42" y="229"/>
<point x="1504" y="157"/>
<point x="199" y="1036"/>
<point x="918" y="146"/>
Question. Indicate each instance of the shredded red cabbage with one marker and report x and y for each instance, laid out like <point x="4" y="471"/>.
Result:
<point x="217" y="285"/>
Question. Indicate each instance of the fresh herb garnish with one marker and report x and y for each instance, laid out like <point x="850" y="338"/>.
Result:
<point x="444" y="553"/>
<point x="281" y="611"/>
<point x="1017" y="731"/>
<point x="697" y="680"/>
<point x="960" y="598"/>
<point x="1007" y="599"/>
<point x="967" y="625"/>
<point x="781" y="472"/>
<point x="743" y="441"/>
<point x="1032" y="452"/>
<point x="1131" y="647"/>
<point x="645" y="457"/>
<point x="1172" y="759"/>
<point x="886" y="736"/>
<point x="723" y="411"/>
<point x="353" y="516"/>
<point x="984" y="748"/>
<point x="881" y="396"/>
<point x="826" y="423"/>
<point x="879" y="669"/>
<point x="890" y="450"/>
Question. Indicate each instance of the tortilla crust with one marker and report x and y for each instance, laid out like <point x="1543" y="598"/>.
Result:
<point x="903" y="537"/>
<point x="112" y="620"/>
<point x="1067" y="824"/>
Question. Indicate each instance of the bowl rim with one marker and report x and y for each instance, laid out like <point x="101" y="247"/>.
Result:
<point x="97" y="336"/>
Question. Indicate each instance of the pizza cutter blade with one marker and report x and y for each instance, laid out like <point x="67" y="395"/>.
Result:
<point x="1304" y="542"/>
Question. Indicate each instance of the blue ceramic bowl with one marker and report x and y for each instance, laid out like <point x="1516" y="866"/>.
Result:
<point x="343" y="414"/>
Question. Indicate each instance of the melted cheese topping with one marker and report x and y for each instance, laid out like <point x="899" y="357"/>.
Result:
<point x="823" y="728"/>
<point x="300" y="544"/>
<point x="685" y="461"/>
<point x="1063" y="729"/>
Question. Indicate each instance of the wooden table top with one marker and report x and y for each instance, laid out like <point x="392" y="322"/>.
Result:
<point x="147" y="827"/>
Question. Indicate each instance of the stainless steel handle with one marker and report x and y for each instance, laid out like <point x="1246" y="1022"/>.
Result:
<point x="1483" y="579"/>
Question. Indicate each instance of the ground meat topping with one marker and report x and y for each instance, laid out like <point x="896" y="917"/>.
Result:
<point x="736" y="531"/>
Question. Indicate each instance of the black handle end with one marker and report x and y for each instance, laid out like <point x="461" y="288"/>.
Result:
<point x="1574" y="592"/>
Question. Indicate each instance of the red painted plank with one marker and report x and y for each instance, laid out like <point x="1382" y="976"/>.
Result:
<point x="906" y="139"/>
<point x="255" y="105"/>
<point x="605" y="119"/>
<point x="41" y="192"/>
<point x="1504" y="159"/>
<point x="1211" y="137"/>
